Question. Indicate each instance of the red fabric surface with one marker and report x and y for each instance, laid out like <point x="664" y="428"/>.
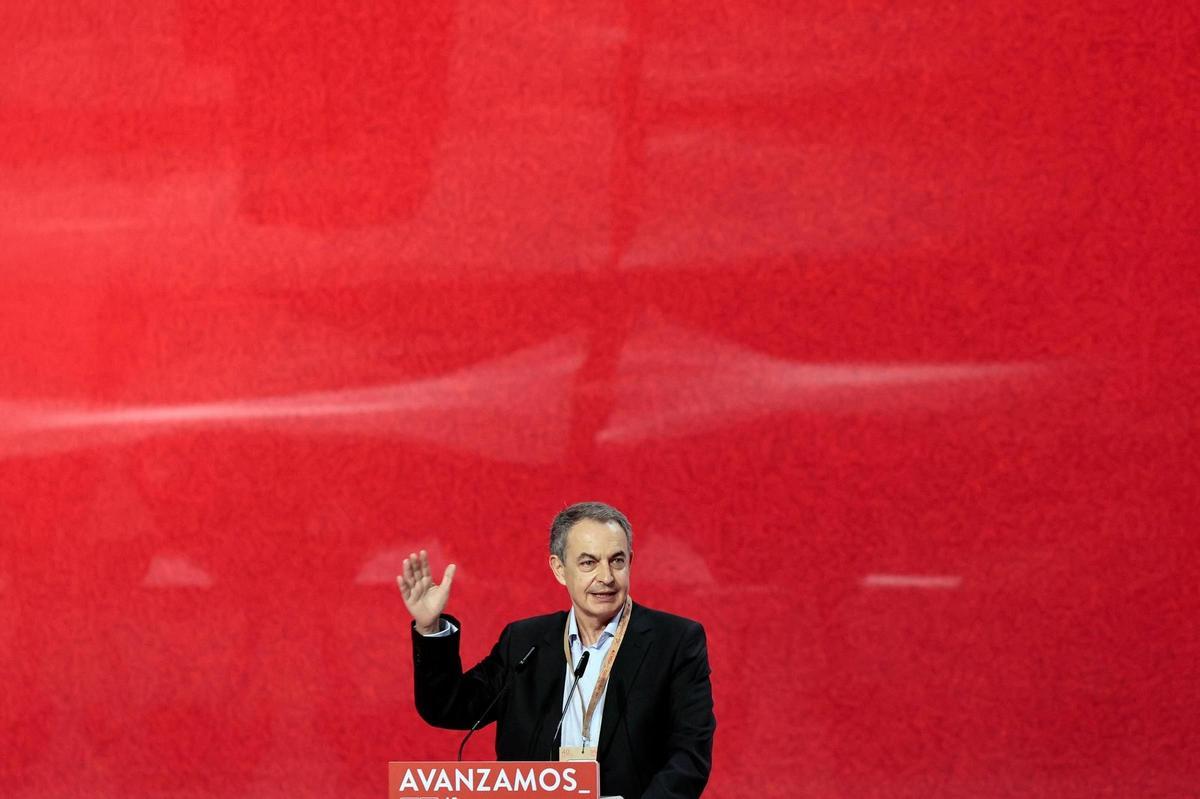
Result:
<point x="879" y="320"/>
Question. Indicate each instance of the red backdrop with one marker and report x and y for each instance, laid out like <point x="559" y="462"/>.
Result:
<point x="879" y="320"/>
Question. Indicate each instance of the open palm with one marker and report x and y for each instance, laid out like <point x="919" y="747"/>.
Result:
<point x="424" y="598"/>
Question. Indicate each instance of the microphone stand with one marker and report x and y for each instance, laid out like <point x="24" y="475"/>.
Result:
<point x="507" y="682"/>
<point x="579" y="670"/>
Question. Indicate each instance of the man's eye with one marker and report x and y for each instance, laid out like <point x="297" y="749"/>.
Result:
<point x="587" y="563"/>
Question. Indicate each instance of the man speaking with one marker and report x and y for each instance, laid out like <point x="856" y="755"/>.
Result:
<point x="608" y="680"/>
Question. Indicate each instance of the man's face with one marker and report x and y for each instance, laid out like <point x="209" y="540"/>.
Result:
<point x="595" y="569"/>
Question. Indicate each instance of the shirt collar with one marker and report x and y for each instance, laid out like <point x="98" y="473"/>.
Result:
<point x="610" y="629"/>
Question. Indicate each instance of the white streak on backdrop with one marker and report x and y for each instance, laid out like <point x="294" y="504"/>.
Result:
<point x="176" y="571"/>
<point x="670" y="381"/>
<point x="927" y="581"/>
<point x="515" y="408"/>
<point x="675" y="381"/>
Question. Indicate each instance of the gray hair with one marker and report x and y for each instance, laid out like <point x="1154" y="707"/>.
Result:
<point x="569" y="517"/>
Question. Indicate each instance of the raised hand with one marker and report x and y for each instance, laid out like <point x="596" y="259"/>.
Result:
<point x="424" y="598"/>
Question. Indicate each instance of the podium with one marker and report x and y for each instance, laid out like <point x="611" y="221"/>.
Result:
<point x="492" y="779"/>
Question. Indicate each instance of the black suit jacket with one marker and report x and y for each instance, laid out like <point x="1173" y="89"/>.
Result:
<point x="657" y="730"/>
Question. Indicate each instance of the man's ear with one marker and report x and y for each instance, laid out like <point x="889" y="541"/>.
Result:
<point x="558" y="568"/>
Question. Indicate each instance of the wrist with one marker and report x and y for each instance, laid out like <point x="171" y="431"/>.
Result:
<point x="430" y="629"/>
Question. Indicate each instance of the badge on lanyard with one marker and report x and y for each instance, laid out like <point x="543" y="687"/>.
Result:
<point x="577" y="753"/>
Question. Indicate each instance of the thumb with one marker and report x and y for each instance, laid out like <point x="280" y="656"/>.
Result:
<point x="448" y="578"/>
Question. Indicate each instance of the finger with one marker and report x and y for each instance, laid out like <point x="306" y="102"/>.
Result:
<point x="408" y="587"/>
<point x="407" y="573"/>
<point x="447" y="579"/>
<point x="425" y="570"/>
<point x="416" y="566"/>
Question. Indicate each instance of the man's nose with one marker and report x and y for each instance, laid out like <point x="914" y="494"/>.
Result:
<point x="604" y="572"/>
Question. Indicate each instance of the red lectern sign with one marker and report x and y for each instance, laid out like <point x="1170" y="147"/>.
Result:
<point x="579" y="779"/>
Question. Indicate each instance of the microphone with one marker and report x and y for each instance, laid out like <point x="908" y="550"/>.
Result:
<point x="579" y="670"/>
<point x="507" y="682"/>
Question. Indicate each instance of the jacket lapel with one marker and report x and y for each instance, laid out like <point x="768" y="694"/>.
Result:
<point x="638" y="640"/>
<point x="550" y="673"/>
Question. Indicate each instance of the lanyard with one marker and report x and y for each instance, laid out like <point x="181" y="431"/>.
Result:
<point x="605" y="670"/>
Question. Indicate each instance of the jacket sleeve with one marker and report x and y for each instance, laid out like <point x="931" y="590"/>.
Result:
<point x="445" y="695"/>
<point x="692" y="723"/>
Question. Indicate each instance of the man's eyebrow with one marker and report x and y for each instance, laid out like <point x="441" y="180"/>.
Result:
<point x="620" y="553"/>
